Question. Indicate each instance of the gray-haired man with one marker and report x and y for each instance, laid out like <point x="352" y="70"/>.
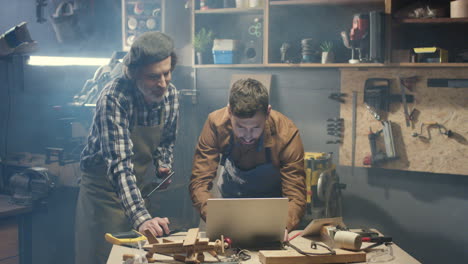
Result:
<point x="135" y="124"/>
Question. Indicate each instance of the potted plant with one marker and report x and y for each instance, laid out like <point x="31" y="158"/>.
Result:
<point x="327" y="52"/>
<point x="202" y="43"/>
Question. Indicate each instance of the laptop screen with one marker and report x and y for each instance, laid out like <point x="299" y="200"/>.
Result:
<point x="248" y="222"/>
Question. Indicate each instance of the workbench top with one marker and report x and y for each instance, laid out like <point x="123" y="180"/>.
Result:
<point x="9" y="209"/>
<point x="115" y="257"/>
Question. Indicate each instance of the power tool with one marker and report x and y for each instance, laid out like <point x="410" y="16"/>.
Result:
<point x="130" y="238"/>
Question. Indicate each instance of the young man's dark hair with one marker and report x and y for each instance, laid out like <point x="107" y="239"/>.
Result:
<point x="247" y="97"/>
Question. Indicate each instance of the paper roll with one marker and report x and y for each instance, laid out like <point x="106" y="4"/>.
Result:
<point x="459" y="9"/>
<point x="348" y="240"/>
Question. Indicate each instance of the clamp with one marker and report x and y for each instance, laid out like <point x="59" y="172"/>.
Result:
<point x="337" y="97"/>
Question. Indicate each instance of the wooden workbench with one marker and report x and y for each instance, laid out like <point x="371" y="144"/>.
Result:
<point x="15" y="232"/>
<point x="115" y="257"/>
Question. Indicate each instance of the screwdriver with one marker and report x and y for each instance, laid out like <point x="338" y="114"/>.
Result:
<point x="377" y="239"/>
<point x="159" y="185"/>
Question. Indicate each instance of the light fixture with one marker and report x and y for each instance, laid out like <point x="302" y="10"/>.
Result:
<point x="66" y="61"/>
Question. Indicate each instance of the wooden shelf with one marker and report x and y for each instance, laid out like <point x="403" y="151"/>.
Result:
<point x="442" y="20"/>
<point x="214" y="66"/>
<point x="325" y="2"/>
<point x="327" y="65"/>
<point x="292" y="65"/>
<point x="230" y="11"/>
<point x="334" y="65"/>
<point x="430" y="65"/>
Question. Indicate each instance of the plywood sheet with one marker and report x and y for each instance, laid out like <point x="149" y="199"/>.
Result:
<point x="293" y="257"/>
<point x="446" y="106"/>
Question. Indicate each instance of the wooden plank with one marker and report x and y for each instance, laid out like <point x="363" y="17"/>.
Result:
<point x="326" y="2"/>
<point x="440" y="20"/>
<point x="293" y="257"/>
<point x="336" y="65"/>
<point x="203" y="241"/>
<point x="230" y="11"/>
<point x="164" y="245"/>
<point x="8" y="209"/>
<point x="191" y="237"/>
<point x="151" y="238"/>
<point x="13" y="260"/>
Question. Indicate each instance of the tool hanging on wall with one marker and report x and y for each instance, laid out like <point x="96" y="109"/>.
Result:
<point x="40" y="5"/>
<point x="429" y="125"/>
<point x="353" y="132"/>
<point x="451" y="83"/>
<point x="335" y="128"/>
<point x="337" y="97"/>
<point x="377" y="157"/>
<point x="410" y="82"/>
<point x="403" y="100"/>
<point x="378" y="98"/>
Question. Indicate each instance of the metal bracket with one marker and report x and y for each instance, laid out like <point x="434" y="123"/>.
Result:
<point x="192" y="93"/>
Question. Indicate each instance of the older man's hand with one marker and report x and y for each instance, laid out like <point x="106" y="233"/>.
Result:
<point x="157" y="226"/>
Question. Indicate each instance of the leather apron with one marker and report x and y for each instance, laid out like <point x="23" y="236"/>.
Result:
<point x="99" y="210"/>
<point x="263" y="181"/>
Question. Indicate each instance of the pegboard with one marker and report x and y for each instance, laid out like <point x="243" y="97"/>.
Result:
<point x="446" y="106"/>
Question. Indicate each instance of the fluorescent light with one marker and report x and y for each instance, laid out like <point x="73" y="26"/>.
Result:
<point x="66" y="61"/>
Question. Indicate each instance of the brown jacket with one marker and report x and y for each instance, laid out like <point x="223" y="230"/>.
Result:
<point x="287" y="153"/>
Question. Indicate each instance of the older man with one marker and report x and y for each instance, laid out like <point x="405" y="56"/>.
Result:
<point x="134" y="125"/>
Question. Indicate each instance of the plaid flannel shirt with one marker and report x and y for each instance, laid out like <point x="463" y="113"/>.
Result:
<point x="109" y="140"/>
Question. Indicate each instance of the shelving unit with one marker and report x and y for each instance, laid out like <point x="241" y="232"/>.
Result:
<point x="443" y="32"/>
<point x="139" y="17"/>
<point x="441" y="20"/>
<point x="293" y="20"/>
<point x="325" y="2"/>
<point x="230" y="11"/>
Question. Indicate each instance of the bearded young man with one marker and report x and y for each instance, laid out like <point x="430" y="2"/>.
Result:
<point x="259" y="150"/>
<point x="134" y="125"/>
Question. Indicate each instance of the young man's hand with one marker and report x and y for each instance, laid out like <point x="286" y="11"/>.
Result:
<point x="157" y="226"/>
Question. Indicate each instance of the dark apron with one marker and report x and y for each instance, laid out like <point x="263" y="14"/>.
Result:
<point x="263" y="181"/>
<point x="99" y="210"/>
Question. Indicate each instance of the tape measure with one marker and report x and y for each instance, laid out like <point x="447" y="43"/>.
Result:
<point x="125" y="238"/>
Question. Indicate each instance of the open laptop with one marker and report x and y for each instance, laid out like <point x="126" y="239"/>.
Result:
<point x="249" y="222"/>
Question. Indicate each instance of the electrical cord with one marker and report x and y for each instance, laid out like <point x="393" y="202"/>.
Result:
<point x="376" y="245"/>
<point x="313" y="246"/>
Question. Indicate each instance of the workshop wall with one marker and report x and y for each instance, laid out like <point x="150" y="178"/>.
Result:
<point x="300" y="94"/>
<point x="432" y="151"/>
<point x="99" y="22"/>
<point x="420" y="210"/>
<point x="424" y="212"/>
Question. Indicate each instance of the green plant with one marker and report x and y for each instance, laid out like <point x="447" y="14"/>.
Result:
<point x="326" y="46"/>
<point x="202" y="40"/>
